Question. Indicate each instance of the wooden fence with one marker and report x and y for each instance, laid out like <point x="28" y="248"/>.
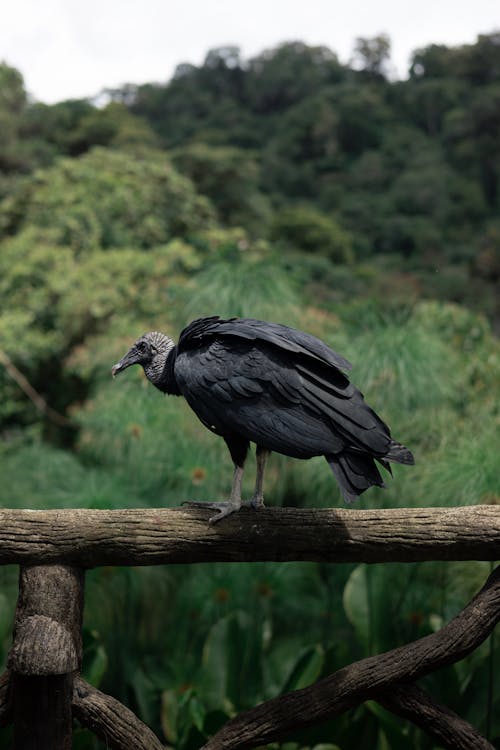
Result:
<point x="42" y="691"/>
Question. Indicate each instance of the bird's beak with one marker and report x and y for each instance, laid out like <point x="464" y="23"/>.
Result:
<point x="116" y="369"/>
<point x="129" y="359"/>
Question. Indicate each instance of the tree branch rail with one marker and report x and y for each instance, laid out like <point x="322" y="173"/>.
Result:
<point x="89" y="538"/>
<point x="42" y="686"/>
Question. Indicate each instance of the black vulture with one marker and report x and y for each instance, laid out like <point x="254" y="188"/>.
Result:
<point x="284" y="390"/>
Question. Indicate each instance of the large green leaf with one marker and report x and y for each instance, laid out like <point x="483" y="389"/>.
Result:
<point x="306" y="669"/>
<point x="168" y="715"/>
<point x="357" y="604"/>
<point x="221" y="661"/>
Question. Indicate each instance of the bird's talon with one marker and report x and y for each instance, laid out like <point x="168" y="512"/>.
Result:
<point x="223" y="509"/>
<point x="256" y="503"/>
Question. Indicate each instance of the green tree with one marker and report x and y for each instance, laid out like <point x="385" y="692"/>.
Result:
<point x="14" y="156"/>
<point x="428" y="101"/>
<point x="74" y="126"/>
<point x="363" y="116"/>
<point x="113" y="125"/>
<point x="433" y="61"/>
<point x="305" y="150"/>
<point x="372" y="55"/>
<point x="472" y="140"/>
<point x="107" y="199"/>
<point x="56" y="300"/>
<point x="12" y="92"/>
<point x="307" y="229"/>
<point x="481" y="61"/>
<point x="199" y="100"/>
<point x="478" y="64"/>
<point x="230" y="177"/>
<point x="55" y="124"/>
<point x="280" y="77"/>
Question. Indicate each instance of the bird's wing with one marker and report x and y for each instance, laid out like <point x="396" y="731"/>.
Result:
<point x="281" y="400"/>
<point x="357" y="423"/>
<point x="283" y="337"/>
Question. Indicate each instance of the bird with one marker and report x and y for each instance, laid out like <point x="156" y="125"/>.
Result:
<point x="253" y="381"/>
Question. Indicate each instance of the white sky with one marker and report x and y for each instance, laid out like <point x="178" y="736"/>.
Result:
<point x="75" y="48"/>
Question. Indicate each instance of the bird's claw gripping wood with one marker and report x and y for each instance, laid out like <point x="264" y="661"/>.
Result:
<point x="224" y="508"/>
<point x="227" y="507"/>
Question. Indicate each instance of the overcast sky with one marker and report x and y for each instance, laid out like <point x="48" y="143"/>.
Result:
<point x="75" y="48"/>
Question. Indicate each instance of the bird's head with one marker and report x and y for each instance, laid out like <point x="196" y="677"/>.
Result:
<point x="150" y="351"/>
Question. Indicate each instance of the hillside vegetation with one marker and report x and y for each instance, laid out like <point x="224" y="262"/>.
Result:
<point x="288" y="187"/>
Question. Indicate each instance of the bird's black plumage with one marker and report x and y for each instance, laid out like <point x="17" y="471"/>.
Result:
<point x="285" y="390"/>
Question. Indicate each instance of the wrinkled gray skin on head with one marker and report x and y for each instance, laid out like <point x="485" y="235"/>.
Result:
<point x="150" y="351"/>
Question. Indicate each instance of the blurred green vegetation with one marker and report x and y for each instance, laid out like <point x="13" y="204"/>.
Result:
<point x="291" y="188"/>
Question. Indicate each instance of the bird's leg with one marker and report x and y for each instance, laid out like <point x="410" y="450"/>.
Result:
<point x="257" y="500"/>
<point x="234" y="503"/>
<point x="228" y="506"/>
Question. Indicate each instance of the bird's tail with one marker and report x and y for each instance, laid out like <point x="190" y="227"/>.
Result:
<point x="399" y="454"/>
<point x="355" y="473"/>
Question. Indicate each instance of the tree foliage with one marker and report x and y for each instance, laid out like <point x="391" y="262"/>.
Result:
<point x="108" y="199"/>
<point x="307" y="229"/>
<point x="229" y="176"/>
<point x="372" y="55"/>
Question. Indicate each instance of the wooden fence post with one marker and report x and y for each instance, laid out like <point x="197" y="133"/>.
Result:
<point x="46" y="655"/>
<point x="42" y="686"/>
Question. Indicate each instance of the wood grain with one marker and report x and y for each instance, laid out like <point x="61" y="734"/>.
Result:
<point x="451" y="731"/>
<point x="110" y="720"/>
<point x="45" y="655"/>
<point x="88" y="537"/>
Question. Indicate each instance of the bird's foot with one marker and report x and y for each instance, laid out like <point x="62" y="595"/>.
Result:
<point x="256" y="502"/>
<point x="226" y="507"/>
<point x="223" y="509"/>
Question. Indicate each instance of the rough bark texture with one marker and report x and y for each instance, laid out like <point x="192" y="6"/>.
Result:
<point x="277" y="718"/>
<point x="47" y="626"/>
<point x="452" y="732"/>
<point x="154" y="536"/>
<point x="112" y="722"/>
<point x="45" y="654"/>
<point x="43" y="647"/>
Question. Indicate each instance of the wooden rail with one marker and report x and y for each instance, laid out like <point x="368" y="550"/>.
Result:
<point x="89" y="538"/>
<point x="42" y="691"/>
